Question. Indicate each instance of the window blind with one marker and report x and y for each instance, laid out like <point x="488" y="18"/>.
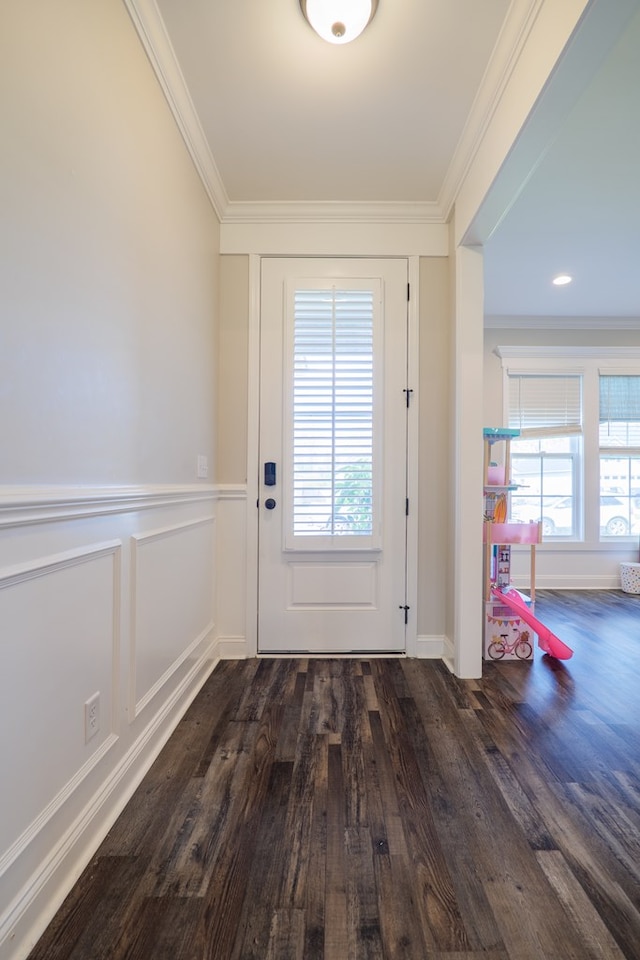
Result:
<point x="619" y="399"/>
<point x="620" y="413"/>
<point x="333" y="412"/>
<point x="545" y="406"/>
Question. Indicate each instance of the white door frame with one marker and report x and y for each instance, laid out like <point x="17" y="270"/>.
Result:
<point x="253" y="463"/>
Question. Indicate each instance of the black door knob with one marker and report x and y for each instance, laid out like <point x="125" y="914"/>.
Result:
<point x="270" y="503"/>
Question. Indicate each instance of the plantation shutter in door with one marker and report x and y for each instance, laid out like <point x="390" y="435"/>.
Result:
<point x="332" y="426"/>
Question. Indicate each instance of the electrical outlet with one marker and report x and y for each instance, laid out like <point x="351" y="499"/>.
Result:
<point x="91" y="717"/>
<point x="202" y="467"/>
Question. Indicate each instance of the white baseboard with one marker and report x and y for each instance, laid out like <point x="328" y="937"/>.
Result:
<point x="231" y="648"/>
<point x="35" y="905"/>
<point x="571" y="582"/>
<point x="430" y="647"/>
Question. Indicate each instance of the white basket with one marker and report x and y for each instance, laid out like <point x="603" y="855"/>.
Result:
<point x="630" y="577"/>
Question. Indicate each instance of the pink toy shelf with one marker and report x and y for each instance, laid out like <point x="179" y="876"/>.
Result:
<point x="512" y="532"/>
<point x="509" y="619"/>
<point x="506" y="635"/>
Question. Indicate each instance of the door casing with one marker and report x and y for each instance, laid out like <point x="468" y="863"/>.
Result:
<point x="253" y="464"/>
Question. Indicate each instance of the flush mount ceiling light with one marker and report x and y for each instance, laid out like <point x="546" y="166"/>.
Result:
<point x="562" y="280"/>
<point x="339" y="21"/>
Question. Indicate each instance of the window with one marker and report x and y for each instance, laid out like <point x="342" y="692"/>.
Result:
<point x="545" y="463"/>
<point x="577" y="460"/>
<point x="332" y="426"/>
<point x="619" y="444"/>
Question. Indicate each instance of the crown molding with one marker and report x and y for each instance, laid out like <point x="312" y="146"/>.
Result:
<point x="516" y="28"/>
<point x="499" y="322"/>
<point x="333" y="212"/>
<point x="566" y="352"/>
<point x="153" y="35"/>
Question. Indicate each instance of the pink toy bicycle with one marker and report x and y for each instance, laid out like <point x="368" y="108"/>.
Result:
<point x="500" y="645"/>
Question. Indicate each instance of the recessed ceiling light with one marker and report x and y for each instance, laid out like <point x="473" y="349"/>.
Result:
<point x="562" y="279"/>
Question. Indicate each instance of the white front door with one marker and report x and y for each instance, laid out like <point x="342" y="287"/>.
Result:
<point x="333" y="456"/>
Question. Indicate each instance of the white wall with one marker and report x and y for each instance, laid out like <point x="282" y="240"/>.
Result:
<point x="108" y="271"/>
<point x="108" y="343"/>
<point x="434" y="445"/>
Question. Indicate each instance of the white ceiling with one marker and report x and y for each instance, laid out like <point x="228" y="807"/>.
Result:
<point x="288" y="122"/>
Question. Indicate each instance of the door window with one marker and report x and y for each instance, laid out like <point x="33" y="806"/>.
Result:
<point x="332" y="429"/>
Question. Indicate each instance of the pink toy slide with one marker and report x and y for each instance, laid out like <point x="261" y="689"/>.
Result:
<point x="547" y="640"/>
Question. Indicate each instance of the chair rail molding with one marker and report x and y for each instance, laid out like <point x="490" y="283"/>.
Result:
<point x="29" y="504"/>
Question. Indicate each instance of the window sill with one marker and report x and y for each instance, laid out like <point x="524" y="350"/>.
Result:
<point x="621" y="545"/>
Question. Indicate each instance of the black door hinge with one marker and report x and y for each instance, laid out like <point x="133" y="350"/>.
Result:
<point x="406" y="612"/>
<point x="406" y="507"/>
<point x="407" y="391"/>
<point x="408" y="292"/>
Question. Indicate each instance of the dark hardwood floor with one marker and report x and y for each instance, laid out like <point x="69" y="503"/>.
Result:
<point x="360" y="810"/>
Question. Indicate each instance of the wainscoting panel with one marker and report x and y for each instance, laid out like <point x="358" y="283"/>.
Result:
<point x="171" y="603"/>
<point x="56" y="654"/>
<point x="102" y="591"/>
<point x="232" y="597"/>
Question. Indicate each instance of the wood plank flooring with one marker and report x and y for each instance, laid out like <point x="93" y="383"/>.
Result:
<point x="382" y="809"/>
